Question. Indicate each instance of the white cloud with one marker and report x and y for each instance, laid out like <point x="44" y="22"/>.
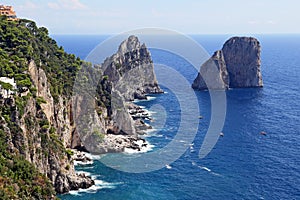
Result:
<point x="27" y="6"/>
<point x="67" y="5"/>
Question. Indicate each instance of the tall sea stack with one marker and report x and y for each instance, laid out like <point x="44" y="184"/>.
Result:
<point x="131" y="70"/>
<point x="237" y="65"/>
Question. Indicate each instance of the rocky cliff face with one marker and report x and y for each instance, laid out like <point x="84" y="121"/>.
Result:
<point x="43" y="120"/>
<point x="131" y="70"/>
<point x="213" y="74"/>
<point x="242" y="58"/>
<point x="44" y="134"/>
<point x="237" y="65"/>
<point x="126" y="75"/>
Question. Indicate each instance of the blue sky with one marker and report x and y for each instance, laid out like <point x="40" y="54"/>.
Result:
<point x="189" y="16"/>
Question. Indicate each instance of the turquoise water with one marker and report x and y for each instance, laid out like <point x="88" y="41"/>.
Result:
<point x="243" y="164"/>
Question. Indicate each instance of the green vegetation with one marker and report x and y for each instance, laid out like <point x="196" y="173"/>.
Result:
<point x="19" y="179"/>
<point x="40" y="100"/>
<point x="22" y="41"/>
<point x="6" y="86"/>
<point x="101" y="136"/>
<point x="69" y="153"/>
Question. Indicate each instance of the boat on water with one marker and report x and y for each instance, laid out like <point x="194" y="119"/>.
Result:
<point x="263" y="133"/>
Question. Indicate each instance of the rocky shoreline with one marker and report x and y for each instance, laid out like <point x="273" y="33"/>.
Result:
<point x="115" y="143"/>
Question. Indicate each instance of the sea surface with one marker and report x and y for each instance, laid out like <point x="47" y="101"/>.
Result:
<point x="243" y="164"/>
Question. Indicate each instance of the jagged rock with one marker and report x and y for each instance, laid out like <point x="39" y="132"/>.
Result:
<point x="39" y="79"/>
<point x="32" y="139"/>
<point x="237" y="65"/>
<point x="242" y="58"/>
<point x="47" y="128"/>
<point x="213" y="74"/>
<point x="131" y="70"/>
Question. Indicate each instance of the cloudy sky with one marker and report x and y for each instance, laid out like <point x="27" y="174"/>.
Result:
<point x="189" y="16"/>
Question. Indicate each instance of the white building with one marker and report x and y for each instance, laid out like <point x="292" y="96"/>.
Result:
<point x="4" y="93"/>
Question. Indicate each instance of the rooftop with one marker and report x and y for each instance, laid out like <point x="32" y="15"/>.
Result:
<point x="9" y="12"/>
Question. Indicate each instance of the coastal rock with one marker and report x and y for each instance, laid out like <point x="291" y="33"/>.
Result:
<point x="119" y="143"/>
<point x="242" y="58"/>
<point x="64" y="183"/>
<point x="39" y="79"/>
<point x="213" y="74"/>
<point x="131" y="70"/>
<point x="47" y="129"/>
<point x="126" y="75"/>
<point x="44" y="132"/>
<point x="237" y="65"/>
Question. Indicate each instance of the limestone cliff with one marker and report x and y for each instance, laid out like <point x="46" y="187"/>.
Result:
<point x="213" y="73"/>
<point x="42" y="118"/>
<point x="237" y="65"/>
<point x="125" y="76"/>
<point x="131" y="70"/>
<point x="42" y="133"/>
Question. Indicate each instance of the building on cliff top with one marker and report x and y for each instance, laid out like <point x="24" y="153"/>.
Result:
<point x="9" y="12"/>
<point x="6" y="93"/>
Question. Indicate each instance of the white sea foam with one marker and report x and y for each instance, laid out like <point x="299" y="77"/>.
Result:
<point x="168" y="167"/>
<point x="74" y="192"/>
<point x="149" y="98"/>
<point x="152" y="133"/>
<point x="143" y="149"/>
<point x="216" y="174"/>
<point x="82" y="163"/>
<point x="83" y="172"/>
<point x="150" y="112"/>
<point x="205" y="168"/>
<point x="148" y="131"/>
<point x="93" y="157"/>
<point x="99" y="184"/>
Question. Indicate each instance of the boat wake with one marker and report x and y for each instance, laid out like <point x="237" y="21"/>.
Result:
<point x="206" y="169"/>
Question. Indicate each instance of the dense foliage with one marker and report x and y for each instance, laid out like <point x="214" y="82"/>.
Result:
<point x="22" y="41"/>
<point x="19" y="179"/>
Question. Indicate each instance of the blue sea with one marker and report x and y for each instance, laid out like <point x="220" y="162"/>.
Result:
<point x="243" y="164"/>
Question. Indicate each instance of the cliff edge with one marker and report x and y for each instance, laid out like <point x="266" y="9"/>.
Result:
<point x="237" y="65"/>
<point x="131" y="70"/>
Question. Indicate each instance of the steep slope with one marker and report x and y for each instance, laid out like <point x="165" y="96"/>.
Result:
<point x="131" y="70"/>
<point x="125" y="76"/>
<point x="213" y="73"/>
<point x="242" y="58"/>
<point x="35" y="118"/>
<point x="237" y="65"/>
<point x="42" y="117"/>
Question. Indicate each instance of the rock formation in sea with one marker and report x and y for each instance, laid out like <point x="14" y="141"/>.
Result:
<point x="237" y="65"/>
<point x="127" y="75"/>
<point x="43" y="119"/>
<point x="131" y="70"/>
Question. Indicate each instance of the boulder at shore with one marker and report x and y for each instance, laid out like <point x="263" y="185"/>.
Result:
<point x="237" y="65"/>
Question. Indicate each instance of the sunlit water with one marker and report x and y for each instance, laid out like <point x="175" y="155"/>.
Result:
<point x="244" y="164"/>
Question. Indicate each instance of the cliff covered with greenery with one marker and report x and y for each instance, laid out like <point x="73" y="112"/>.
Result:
<point x="34" y="136"/>
<point x="52" y="102"/>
